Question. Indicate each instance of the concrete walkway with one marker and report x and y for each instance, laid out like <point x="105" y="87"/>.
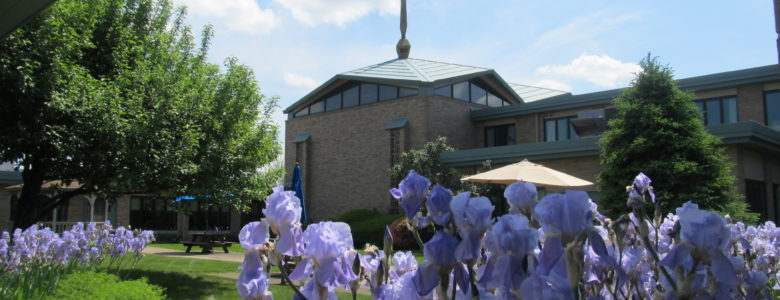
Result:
<point x="232" y="257"/>
<point x="196" y="254"/>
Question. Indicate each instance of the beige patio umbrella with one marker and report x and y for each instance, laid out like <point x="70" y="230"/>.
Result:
<point x="529" y="172"/>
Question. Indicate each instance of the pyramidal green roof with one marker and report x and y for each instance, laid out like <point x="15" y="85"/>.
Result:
<point x="427" y="73"/>
<point x="414" y="70"/>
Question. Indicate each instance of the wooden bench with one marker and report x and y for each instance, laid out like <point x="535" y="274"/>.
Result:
<point x="207" y="246"/>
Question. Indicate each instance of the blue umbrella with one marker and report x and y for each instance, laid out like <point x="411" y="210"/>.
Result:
<point x="297" y="186"/>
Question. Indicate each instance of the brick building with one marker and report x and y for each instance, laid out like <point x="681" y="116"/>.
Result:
<point x="350" y="130"/>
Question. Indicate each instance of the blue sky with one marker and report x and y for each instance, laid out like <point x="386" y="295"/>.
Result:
<point x="577" y="46"/>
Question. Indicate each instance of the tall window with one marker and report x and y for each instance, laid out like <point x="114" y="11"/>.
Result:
<point x="354" y="94"/>
<point x="208" y="217"/>
<point x="755" y="195"/>
<point x="474" y="91"/>
<point x="776" y="189"/>
<point x="152" y="214"/>
<point x="718" y="110"/>
<point x="772" y="109"/>
<point x="559" y="129"/>
<point x="395" y="157"/>
<point x="500" y="135"/>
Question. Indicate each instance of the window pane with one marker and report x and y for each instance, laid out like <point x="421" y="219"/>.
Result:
<point x="563" y="129"/>
<point x="506" y="103"/>
<point x="461" y="91"/>
<point x="493" y="100"/>
<point x="317" y="107"/>
<point x="387" y="92"/>
<point x="351" y="97"/>
<point x="510" y="135"/>
<point x="490" y="137"/>
<point x="713" y="112"/>
<point x="333" y="102"/>
<point x="700" y="105"/>
<point x="478" y="95"/>
<point x="572" y="133"/>
<point x="302" y="112"/>
<point x="549" y="130"/>
<point x="773" y="109"/>
<point x="730" y="110"/>
<point x="408" y="92"/>
<point x="445" y="91"/>
<point x="368" y="93"/>
<point x="135" y="203"/>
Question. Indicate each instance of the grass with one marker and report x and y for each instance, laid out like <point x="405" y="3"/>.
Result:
<point x="418" y="254"/>
<point x="186" y="278"/>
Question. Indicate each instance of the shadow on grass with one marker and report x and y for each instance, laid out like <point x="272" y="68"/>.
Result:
<point x="182" y="286"/>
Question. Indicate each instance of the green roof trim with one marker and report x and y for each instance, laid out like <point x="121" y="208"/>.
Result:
<point x="515" y="153"/>
<point x="397" y="123"/>
<point x="302" y="137"/>
<point x="751" y="134"/>
<point x="700" y="83"/>
<point x="10" y="178"/>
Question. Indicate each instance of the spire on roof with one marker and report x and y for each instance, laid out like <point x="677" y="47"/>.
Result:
<point x="403" y="46"/>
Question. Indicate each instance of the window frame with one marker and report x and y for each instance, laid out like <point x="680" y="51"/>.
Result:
<point x="493" y="128"/>
<point x="766" y="109"/>
<point x="701" y="104"/>
<point x="570" y="133"/>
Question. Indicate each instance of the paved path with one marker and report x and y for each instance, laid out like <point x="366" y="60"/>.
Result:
<point x="217" y="255"/>
<point x="222" y="256"/>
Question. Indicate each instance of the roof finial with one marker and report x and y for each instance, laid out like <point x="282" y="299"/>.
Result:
<point x="403" y="46"/>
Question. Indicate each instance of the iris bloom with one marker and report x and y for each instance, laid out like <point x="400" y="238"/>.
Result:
<point x="438" y="205"/>
<point x="411" y="192"/>
<point x="326" y="253"/>
<point x="510" y="243"/>
<point x="472" y="216"/>
<point x="283" y="213"/>
<point x="521" y="197"/>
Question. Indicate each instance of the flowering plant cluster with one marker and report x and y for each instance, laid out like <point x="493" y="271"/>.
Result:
<point x="32" y="260"/>
<point x="559" y="247"/>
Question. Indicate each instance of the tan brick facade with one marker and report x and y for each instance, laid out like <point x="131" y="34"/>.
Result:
<point x="347" y="157"/>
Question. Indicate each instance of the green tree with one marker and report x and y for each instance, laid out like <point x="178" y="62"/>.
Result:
<point x="658" y="131"/>
<point x="116" y="95"/>
<point x="426" y="162"/>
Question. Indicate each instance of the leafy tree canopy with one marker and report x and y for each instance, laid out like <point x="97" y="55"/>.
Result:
<point x="658" y="131"/>
<point x="116" y="95"/>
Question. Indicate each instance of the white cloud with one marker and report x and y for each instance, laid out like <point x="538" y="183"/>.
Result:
<point x="299" y="80"/>
<point x="582" y="29"/>
<point x="552" y="84"/>
<point x="243" y="16"/>
<point x="600" y="70"/>
<point x="339" y="12"/>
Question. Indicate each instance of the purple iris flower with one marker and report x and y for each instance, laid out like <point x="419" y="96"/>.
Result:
<point x="472" y="216"/>
<point x="567" y="215"/>
<point x="327" y="247"/>
<point x="402" y="288"/>
<point x="403" y="262"/>
<point x="439" y="261"/>
<point x="411" y="192"/>
<point x="252" y="283"/>
<point x="438" y="205"/>
<point x="704" y="237"/>
<point x="642" y="184"/>
<point x="522" y="197"/>
<point x="254" y="235"/>
<point x="509" y="241"/>
<point x="283" y="213"/>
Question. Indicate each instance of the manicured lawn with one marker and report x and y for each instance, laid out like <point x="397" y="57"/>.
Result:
<point x="185" y="278"/>
<point x="174" y="246"/>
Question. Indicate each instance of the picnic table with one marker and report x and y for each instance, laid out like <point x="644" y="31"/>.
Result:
<point x="207" y="241"/>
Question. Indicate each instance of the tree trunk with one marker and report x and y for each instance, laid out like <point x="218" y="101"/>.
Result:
<point x="34" y="206"/>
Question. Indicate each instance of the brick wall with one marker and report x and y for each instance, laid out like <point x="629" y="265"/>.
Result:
<point x="348" y="154"/>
